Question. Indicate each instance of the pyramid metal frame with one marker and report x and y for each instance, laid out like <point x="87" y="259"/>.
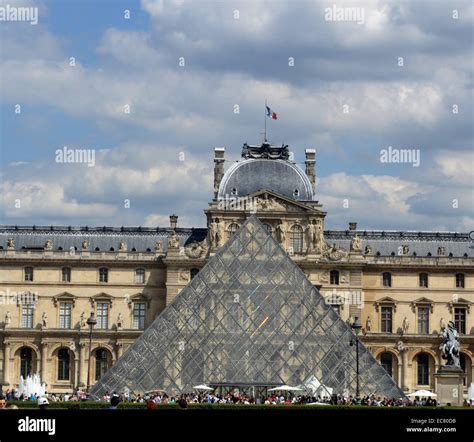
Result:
<point x="249" y="317"/>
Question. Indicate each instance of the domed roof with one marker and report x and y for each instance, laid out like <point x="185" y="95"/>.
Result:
<point x="278" y="175"/>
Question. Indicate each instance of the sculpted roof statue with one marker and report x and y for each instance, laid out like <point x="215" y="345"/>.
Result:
<point x="266" y="151"/>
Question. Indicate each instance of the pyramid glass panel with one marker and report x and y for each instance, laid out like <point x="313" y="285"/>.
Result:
<point x="250" y="317"/>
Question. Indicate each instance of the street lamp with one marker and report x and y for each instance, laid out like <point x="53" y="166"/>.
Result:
<point x="91" y="321"/>
<point x="356" y="326"/>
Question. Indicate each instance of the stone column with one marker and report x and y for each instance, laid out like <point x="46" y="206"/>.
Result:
<point x="218" y="168"/>
<point x="44" y="362"/>
<point x="6" y="363"/>
<point x="405" y="376"/>
<point x="82" y="375"/>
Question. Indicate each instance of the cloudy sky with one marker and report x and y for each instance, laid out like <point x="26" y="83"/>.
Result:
<point x="400" y="77"/>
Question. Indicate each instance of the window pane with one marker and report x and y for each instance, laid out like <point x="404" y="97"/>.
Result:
<point x="139" y="315"/>
<point x="386" y="362"/>
<point x="387" y="319"/>
<point x="423" y="369"/>
<point x="387" y="279"/>
<point x="460" y="280"/>
<point x="102" y="315"/>
<point x="140" y="276"/>
<point x="103" y="275"/>
<point x="27" y="311"/>
<point x="66" y="274"/>
<point x="65" y="315"/>
<point x="423" y="319"/>
<point x="460" y="320"/>
<point x="63" y="364"/>
<point x="296" y="239"/>
<point x="28" y="273"/>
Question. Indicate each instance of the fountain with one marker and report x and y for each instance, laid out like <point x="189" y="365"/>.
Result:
<point x="31" y="386"/>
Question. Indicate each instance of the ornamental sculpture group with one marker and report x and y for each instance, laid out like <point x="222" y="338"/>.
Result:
<point x="450" y="346"/>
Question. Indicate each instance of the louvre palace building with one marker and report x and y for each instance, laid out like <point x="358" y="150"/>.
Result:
<point x="403" y="286"/>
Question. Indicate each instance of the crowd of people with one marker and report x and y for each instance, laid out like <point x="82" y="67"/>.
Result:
<point x="155" y="399"/>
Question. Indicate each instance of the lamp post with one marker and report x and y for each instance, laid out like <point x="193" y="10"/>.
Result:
<point x="356" y="326"/>
<point x="91" y="321"/>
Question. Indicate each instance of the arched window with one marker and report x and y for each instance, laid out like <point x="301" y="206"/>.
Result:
<point x="386" y="360"/>
<point x="423" y="279"/>
<point x="460" y="280"/>
<point x="334" y="277"/>
<point x="26" y="361"/>
<point x="194" y="272"/>
<point x="64" y="362"/>
<point x="423" y="363"/>
<point x="103" y="275"/>
<point x="66" y="274"/>
<point x="101" y="363"/>
<point x="387" y="279"/>
<point x="233" y="227"/>
<point x="296" y="238"/>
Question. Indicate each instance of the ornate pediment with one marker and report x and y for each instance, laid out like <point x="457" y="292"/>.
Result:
<point x="460" y="302"/>
<point x="64" y="297"/>
<point x="386" y="301"/>
<point x="266" y="200"/>
<point x="101" y="297"/>
<point x="422" y="302"/>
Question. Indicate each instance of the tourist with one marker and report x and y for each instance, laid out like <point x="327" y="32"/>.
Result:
<point x="43" y="403"/>
<point x="3" y="402"/>
<point x="114" y="401"/>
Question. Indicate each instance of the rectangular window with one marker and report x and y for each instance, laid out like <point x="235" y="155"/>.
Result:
<point x="139" y="315"/>
<point x="103" y="315"/>
<point x="460" y="320"/>
<point x="103" y="275"/>
<point x="27" y="311"/>
<point x="423" y="279"/>
<point x="66" y="274"/>
<point x="423" y="320"/>
<point x="460" y="280"/>
<point x="65" y="309"/>
<point x="387" y="319"/>
<point x="28" y="273"/>
<point x="140" y="276"/>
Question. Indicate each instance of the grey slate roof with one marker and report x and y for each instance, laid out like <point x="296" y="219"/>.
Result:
<point x="143" y="238"/>
<point x="421" y="244"/>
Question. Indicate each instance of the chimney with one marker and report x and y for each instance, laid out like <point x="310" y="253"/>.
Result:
<point x="352" y="226"/>
<point x="218" y="168"/>
<point x="173" y="221"/>
<point x="311" y="166"/>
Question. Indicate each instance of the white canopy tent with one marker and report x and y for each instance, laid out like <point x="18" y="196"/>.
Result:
<point x="203" y="387"/>
<point x="285" y="388"/>
<point x="422" y="393"/>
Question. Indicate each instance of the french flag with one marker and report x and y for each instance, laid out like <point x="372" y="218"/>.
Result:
<point x="271" y="114"/>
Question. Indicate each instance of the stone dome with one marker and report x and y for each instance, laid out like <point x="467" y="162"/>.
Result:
<point x="277" y="175"/>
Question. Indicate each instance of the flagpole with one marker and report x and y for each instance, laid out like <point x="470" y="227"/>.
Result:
<point x="265" y="132"/>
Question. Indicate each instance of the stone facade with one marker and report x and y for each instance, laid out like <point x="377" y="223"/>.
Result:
<point x="404" y="286"/>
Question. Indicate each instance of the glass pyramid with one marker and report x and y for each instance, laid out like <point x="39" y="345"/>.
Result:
<point x="250" y="317"/>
